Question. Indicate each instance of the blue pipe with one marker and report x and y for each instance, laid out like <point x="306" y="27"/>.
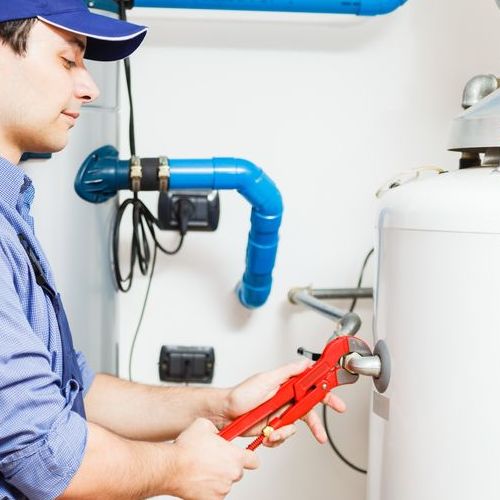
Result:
<point x="102" y="175"/>
<point x="267" y="208"/>
<point x="357" y="7"/>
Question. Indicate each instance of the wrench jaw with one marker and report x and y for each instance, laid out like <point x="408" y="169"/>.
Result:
<point x="345" y="377"/>
<point x="359" y="346"/>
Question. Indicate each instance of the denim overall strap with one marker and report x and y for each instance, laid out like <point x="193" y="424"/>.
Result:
<point x="70" y="367"/>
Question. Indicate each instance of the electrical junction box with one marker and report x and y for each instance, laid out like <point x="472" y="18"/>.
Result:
<point x="203" y="209"/>
<point x="187" y="364"/>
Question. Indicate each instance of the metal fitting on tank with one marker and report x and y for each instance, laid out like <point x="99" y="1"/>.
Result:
<point x="370" y="366"/>
<point x="377" y="366"/>
<point x="478" y="88"/>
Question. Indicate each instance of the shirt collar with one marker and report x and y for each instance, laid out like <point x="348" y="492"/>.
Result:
<point x="12" y="179"/>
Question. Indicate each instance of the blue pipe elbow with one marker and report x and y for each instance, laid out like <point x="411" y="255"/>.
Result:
<point x="102" y="175"/>
<point x="261" y="192"/>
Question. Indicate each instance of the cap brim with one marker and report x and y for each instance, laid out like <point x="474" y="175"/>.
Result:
<point x="108" y="39"/>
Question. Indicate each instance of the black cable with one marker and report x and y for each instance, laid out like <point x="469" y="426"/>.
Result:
<point x="360" y="279"/>
<point x="325" y="421"/>
<point x="131" y="128"/>
<point x="335" y="449"/>
<point x="142" y="218"/>
<point x="142" y="222"/>
<point x="155" y="253"/>
<point x="128" y="76"/>
<point x="140" y="243"/>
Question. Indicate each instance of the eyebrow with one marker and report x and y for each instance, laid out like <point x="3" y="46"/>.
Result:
<point x="76" y="41"/>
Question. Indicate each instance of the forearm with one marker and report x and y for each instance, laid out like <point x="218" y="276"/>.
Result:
<point x="150" y="413"/>
<point x="118" y="468"/>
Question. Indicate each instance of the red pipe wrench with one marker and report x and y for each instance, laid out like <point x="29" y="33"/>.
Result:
<point x="302" y="392"/>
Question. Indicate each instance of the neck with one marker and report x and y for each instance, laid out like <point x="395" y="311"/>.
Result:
<point x="10" y="152"/>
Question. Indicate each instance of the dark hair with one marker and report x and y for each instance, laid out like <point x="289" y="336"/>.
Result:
<point x="15" y="34"/>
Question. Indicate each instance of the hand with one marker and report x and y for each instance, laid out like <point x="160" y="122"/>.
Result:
<point x="259" y="388"/>
<point x="207" y="465"/>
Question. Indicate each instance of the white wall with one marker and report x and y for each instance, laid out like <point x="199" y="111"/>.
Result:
<point x="330" y="107"/>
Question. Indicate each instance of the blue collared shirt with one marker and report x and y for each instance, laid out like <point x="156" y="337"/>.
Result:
<point x="42" y="441"/>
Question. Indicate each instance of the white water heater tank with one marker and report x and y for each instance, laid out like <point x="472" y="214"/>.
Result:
<point x="435" y="433"/>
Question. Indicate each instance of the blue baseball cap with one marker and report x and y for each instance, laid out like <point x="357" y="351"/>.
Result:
<point x="108" y="39"/>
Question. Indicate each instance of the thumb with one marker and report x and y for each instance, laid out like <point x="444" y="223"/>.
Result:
<point x="250" y="460"/>
<point x="284" y="372"/>
<point x="202" y="424"/>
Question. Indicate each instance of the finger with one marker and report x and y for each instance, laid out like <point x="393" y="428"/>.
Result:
<point x="335" y="402"/>
<point x="250" y="460"/>
<point x="280" y="435"/>
<point x="314" y="423"/>
<point x="284" y="372"/>
<point x="274" y="378"/>
<point x="267" y="444"/>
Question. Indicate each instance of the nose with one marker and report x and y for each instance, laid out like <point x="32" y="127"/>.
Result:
<point x="86" y="89"/>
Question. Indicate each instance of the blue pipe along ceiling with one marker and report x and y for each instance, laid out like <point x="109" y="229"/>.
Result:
<point x="356" y="7"/>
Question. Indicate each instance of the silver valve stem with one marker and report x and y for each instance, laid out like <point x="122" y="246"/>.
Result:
<point x="370" y="366"/>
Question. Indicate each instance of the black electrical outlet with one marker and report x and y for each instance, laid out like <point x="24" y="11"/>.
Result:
<point x="201" y="207"/>
<point x="187" y="364"/>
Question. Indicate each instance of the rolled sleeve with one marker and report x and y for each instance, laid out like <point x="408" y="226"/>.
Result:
<point x="42" y="441"/>
<point x="44" y="469"/>
<point x="88" y="374"/>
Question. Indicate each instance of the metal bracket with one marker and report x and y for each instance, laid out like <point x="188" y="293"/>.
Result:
<point x="163" y="173"/>
<point x="135" y="173"/>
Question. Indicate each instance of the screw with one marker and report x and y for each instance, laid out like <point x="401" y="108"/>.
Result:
<point x="256" y="443"/>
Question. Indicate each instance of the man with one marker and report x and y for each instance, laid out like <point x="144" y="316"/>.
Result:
<point x="65" y="432"/>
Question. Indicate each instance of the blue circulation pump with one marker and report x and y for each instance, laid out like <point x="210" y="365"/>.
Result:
<point x="356" y="7"/>
<point x="103" y="174"/>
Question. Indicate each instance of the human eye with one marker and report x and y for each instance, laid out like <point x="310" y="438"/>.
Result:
<point x="68" y="63"/>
